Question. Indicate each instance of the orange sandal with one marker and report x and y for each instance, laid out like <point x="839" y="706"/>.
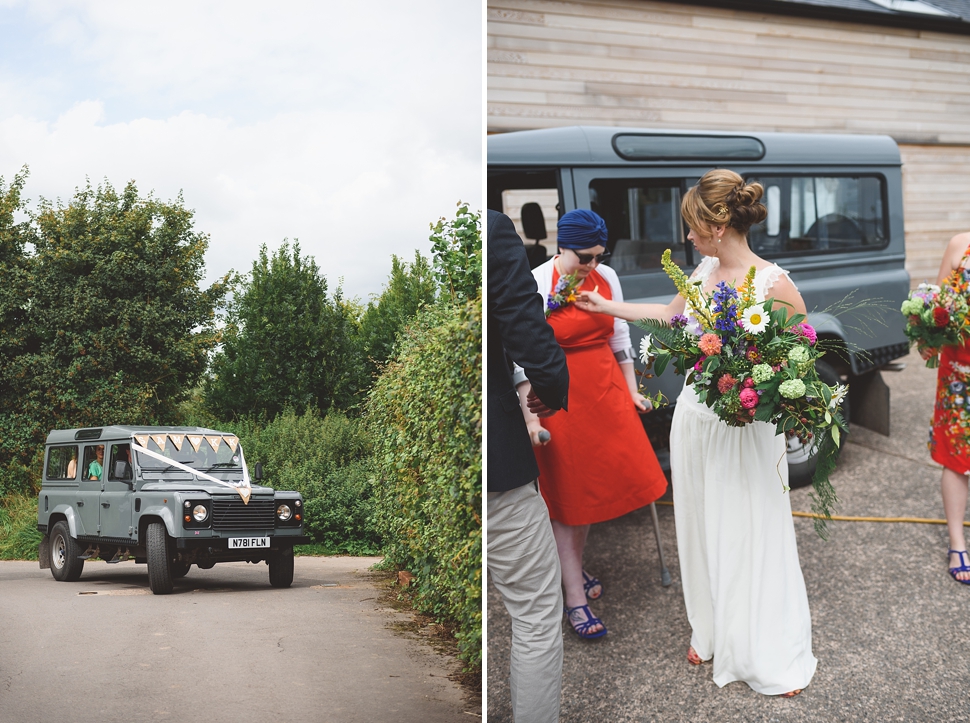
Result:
<point x="692" y="657"/>
<point x="791" y="693"/>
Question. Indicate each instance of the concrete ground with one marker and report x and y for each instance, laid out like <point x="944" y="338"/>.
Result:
<point x="225" y="647"/>
<point x="891" y="629"/>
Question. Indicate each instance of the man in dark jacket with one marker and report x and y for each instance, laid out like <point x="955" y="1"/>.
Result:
<point x="522" y="559"/>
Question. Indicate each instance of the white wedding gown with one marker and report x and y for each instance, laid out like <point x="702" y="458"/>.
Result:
<point x="743" y="586"/>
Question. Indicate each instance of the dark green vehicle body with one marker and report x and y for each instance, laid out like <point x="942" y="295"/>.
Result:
<point x="835" y="221"/>
<point x="170" y="505"/>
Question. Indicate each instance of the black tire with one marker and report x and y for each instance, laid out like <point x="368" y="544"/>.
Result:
<point x="180" y="569"/>
<point x="66" y="562"/>
<point x="159" y="559"/>
<point x="801" y="467"/>
<point x="281" y="568"/>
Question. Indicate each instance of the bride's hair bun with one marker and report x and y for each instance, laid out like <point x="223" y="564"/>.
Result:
<point x="723" y="198"/>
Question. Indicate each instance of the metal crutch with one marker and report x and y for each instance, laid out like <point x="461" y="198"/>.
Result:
<point x="664" y="573"/>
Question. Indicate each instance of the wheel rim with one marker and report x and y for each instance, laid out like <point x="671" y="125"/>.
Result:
<point x="58" y="552"/>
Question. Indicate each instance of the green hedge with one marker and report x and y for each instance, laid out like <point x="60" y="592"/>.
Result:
<point x="19" y="537"/>
<point x="425" y="416"/>
<point x="327" y="460"/>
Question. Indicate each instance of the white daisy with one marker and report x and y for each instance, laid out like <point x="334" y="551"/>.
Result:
<point x="754" y="320"/>
<point x="645" y="343"/>
<point x="838" y="394"/>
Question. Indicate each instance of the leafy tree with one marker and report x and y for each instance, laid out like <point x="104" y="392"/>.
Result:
<point x="457" y="250"/>
<point x="16" y="442"/>
<point x="114" y="327"/>
<point x="285" y="343"/>
<point x="409" y="287"/>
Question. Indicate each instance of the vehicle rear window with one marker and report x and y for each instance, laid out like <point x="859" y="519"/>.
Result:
<point x="643" y="220"/>
<point x="59" y="462"/>
<point x="820" y="214"/>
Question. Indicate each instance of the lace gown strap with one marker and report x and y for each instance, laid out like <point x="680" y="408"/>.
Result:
<point x="704" y="269"/>
<point x="767" y="277"/>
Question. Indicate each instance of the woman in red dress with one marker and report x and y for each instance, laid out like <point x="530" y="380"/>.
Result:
<point x="597" y="463"/>
<point x="950" y="434"/>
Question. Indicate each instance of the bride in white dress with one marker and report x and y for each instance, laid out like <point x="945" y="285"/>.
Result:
<point x="743" y="586"/>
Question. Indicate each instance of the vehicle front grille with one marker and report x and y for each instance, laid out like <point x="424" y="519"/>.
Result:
<point x="234" y="515"/>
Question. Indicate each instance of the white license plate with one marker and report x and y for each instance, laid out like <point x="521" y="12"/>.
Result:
<point x="238" y="543"/>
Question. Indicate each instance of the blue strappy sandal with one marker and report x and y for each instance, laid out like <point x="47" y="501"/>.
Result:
<point x="582" y="627"/>
<point x="589" y="582"/>
<point x="963" y="567"/>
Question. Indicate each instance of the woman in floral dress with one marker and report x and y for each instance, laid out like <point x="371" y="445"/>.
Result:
<point x="950" y="434"/>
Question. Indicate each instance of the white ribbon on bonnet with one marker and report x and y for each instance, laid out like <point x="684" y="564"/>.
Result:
<point x="243" y="487"/>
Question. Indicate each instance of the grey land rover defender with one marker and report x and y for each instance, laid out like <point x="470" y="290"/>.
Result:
<point x="835" y="221"/>
<point x="171" y="497"/>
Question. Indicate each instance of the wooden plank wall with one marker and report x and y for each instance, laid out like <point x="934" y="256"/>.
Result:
<point x="936" y="198"/>
<point x="674" y="65"/>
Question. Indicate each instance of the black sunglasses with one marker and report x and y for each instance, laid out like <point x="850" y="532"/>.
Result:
<point x="585" y="259"/>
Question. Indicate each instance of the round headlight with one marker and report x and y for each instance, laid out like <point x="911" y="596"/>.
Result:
<point x="284" y="512"/>
<point x="200" y="512"/>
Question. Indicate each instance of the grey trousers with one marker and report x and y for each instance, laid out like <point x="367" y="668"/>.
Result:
<point x="523" y="564"/>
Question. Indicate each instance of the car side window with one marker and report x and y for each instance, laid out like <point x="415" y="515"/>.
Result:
<point x="820" y="214"/>
<point x="120" y="453"/>
<point x="62" y="462"/>
<point x="643" y="220"/>
<point x="93" y="462"/>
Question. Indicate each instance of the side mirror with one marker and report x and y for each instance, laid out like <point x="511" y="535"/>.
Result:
<point x="122" y="470"/>
<point x="258" y="471"/>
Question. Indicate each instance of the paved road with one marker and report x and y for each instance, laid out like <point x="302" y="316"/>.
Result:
<point x="224" y="647"/>
<point x="890" y="628"/>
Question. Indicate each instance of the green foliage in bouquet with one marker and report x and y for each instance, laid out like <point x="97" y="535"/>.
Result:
<point x="750" y="362"/>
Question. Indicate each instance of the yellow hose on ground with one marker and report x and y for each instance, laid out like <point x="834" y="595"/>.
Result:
<point x="843" y="518"/>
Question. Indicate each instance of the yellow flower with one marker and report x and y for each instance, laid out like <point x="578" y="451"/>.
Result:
<point x="688" y="289"/>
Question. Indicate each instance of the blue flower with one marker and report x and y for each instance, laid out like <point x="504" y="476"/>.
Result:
<point x="957" y="387"/>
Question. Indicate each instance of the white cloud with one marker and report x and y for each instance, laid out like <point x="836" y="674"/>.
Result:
<point x="349" y="129"/>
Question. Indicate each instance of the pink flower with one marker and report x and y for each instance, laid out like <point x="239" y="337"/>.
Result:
<point x="808" y="331"/>
<point x="749" y="399"/>
<point x="726" y="383"/>
<point x="710" y="344"/>
<point x="753" y="355"/>
<point x="699" y="364"/>
<point x="748" y="383"/>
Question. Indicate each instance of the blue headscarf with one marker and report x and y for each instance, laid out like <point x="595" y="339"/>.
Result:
<point x="581" y="229"/>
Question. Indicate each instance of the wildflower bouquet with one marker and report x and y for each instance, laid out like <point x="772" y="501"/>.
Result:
<point x="749" y="361"/>
<point x="563" y="293"/>
<point x="937" y="316"/>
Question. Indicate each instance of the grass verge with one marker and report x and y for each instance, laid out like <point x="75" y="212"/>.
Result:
<point x="18" y="528"/>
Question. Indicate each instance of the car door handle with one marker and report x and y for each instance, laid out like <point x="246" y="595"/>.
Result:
<point x="80" y="504"/>
<point x="106" y="504"/>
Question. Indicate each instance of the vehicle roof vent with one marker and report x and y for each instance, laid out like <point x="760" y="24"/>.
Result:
<point x="88" y="433"/>
<point x="671" y="147"/>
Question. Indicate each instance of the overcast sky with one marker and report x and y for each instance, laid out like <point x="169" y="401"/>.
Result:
<point x="349" y="126"/>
